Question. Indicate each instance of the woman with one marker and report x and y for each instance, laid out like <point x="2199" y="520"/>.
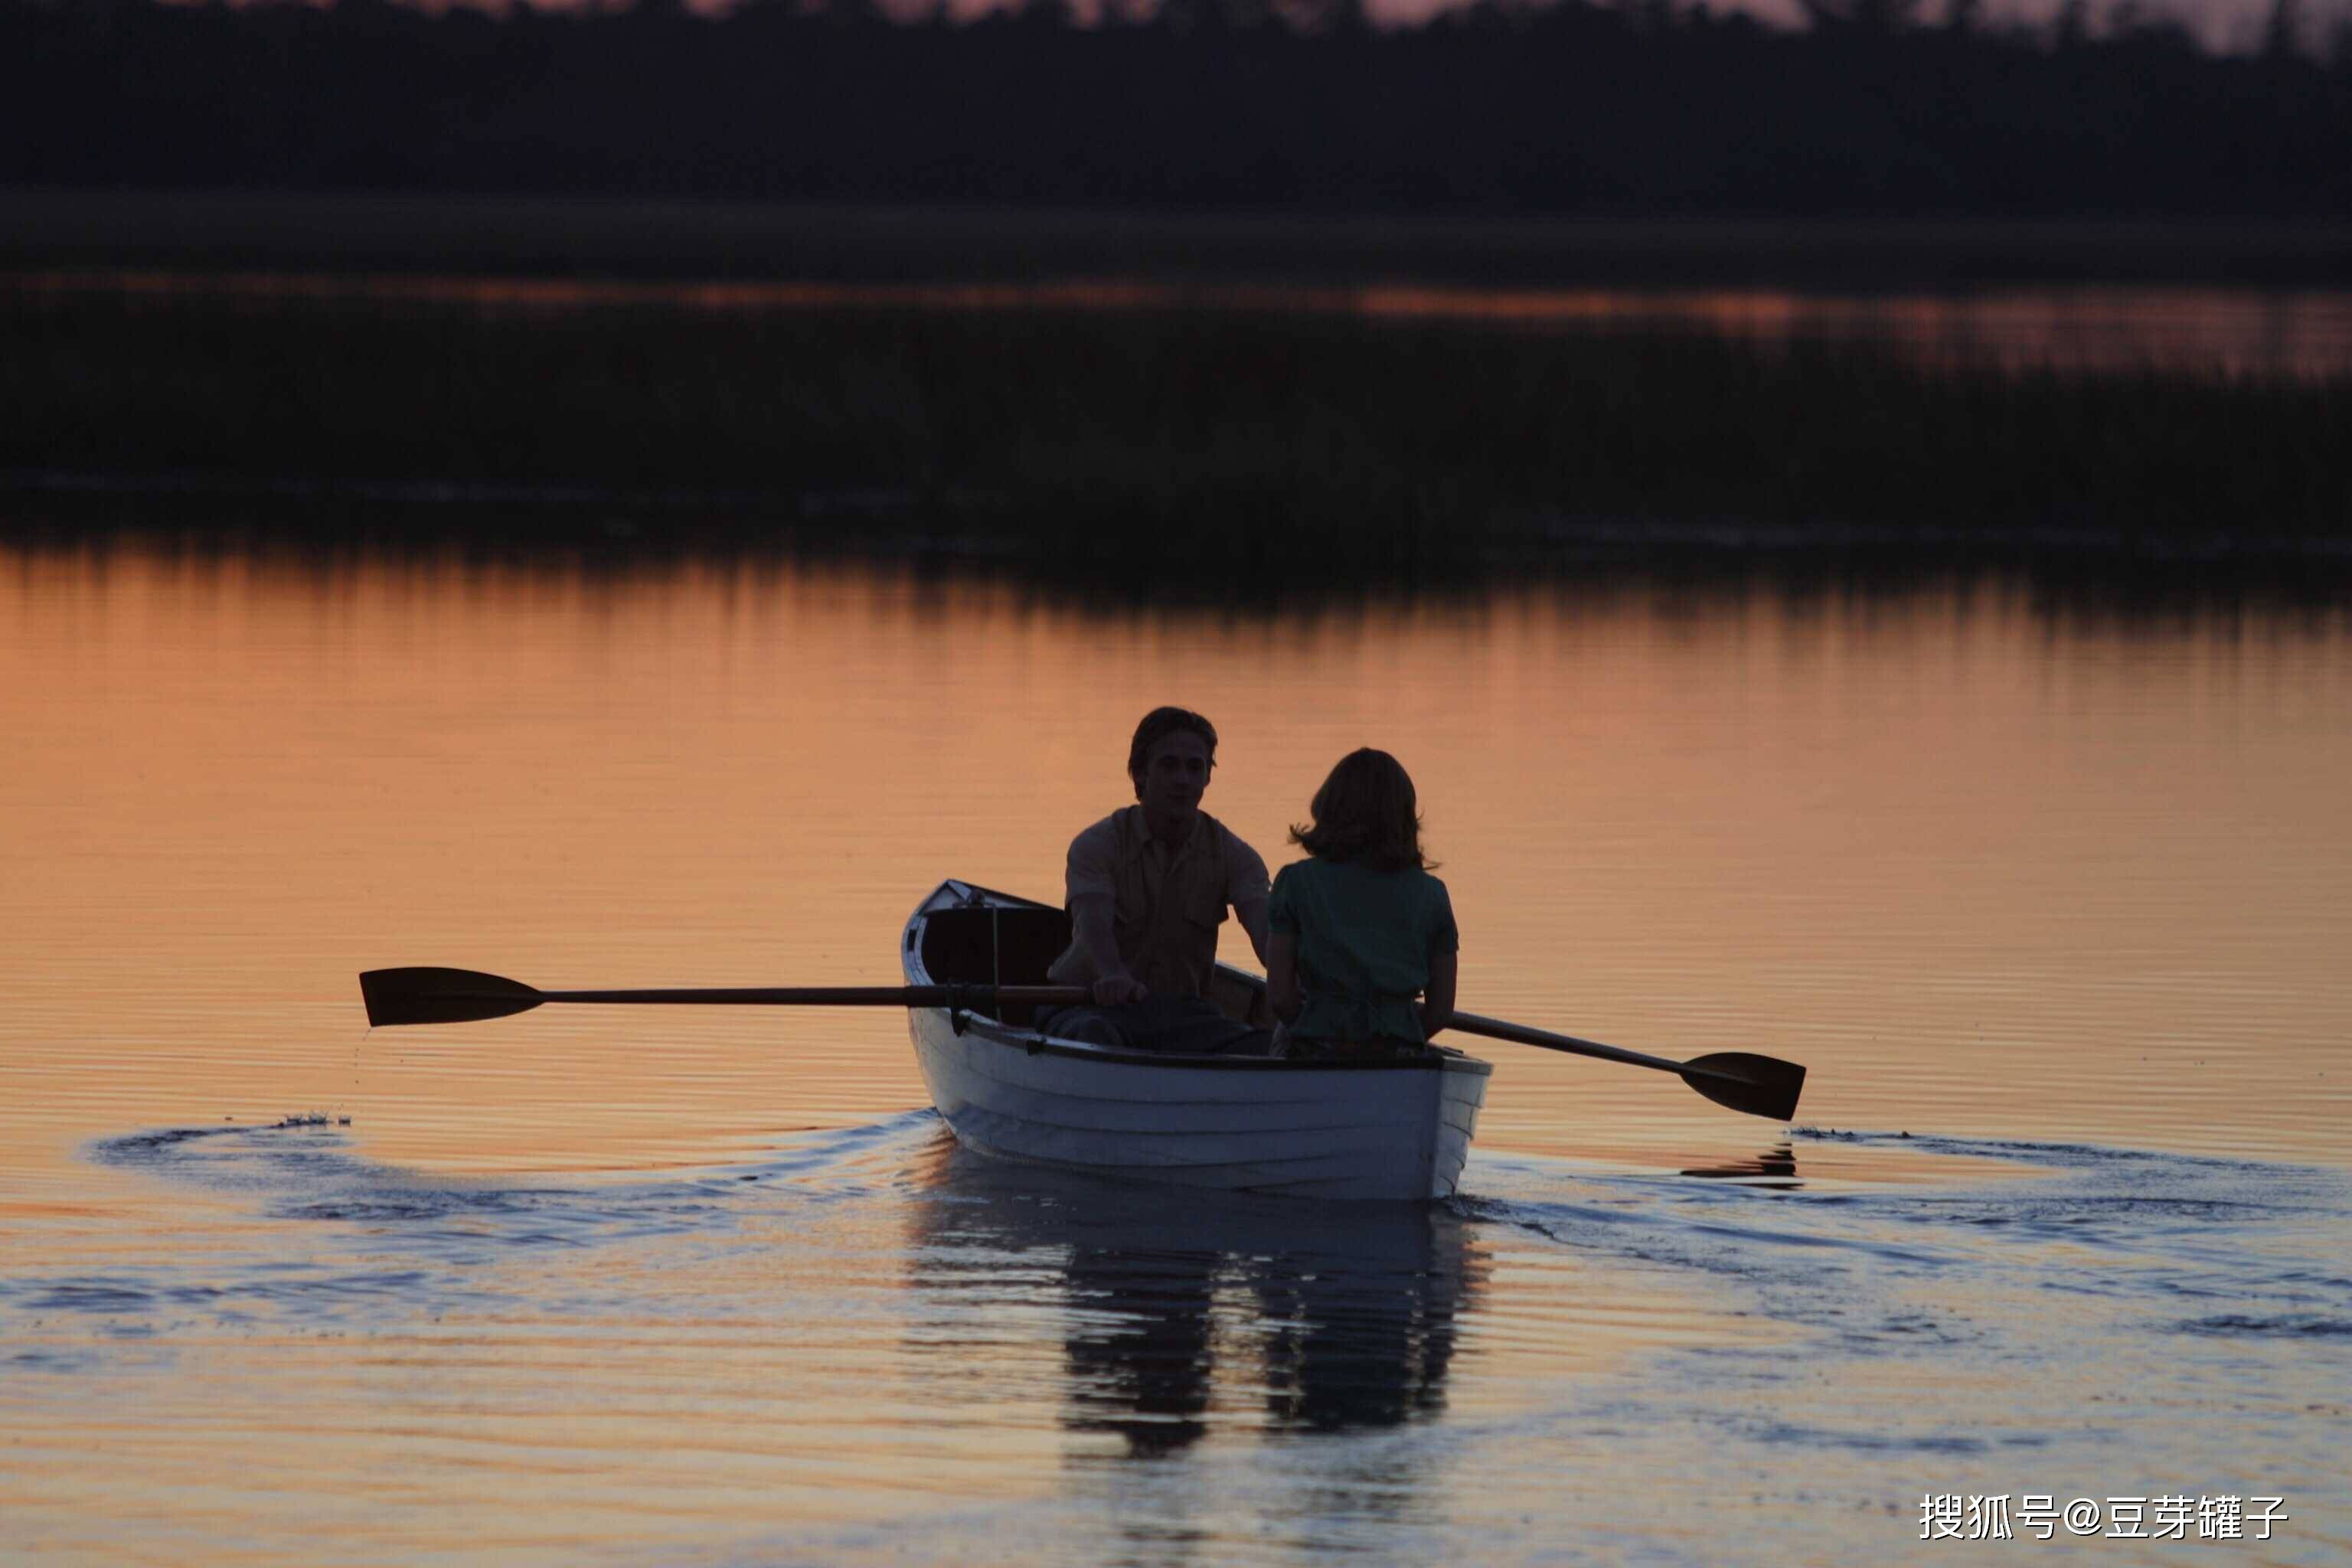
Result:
<point x="1360" y="929"/>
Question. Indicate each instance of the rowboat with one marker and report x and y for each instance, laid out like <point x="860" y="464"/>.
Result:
<point x="975" y="963"/>
<point x="1392" y="1130"/>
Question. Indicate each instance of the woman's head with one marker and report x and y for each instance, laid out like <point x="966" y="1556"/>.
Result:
<point x="1365" y="814"/>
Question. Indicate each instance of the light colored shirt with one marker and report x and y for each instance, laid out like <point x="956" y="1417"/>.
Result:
<point x="1365" y="939"/>
<point x="1166" y="906"/>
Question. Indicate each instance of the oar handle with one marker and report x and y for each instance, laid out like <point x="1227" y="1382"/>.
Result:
<point x="961" y="996"/>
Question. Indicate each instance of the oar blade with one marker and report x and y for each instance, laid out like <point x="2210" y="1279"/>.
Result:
<point x="1768" y="1087"/>
<point x="441" y="996"/>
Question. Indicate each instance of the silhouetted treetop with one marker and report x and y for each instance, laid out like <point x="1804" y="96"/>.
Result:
<point x="1643" y="108"/>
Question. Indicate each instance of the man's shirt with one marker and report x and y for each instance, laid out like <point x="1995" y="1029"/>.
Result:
<point x="1165" y="907"/>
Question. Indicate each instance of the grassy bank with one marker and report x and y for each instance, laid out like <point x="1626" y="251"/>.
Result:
<point x="1141" y="438"/>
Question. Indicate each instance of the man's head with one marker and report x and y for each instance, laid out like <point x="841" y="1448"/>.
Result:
<point x="1169" y="760"/>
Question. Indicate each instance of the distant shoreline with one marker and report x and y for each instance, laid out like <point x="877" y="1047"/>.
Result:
<point x="53" y="505"/>
<point x="568" y="237"/>
<point x="1150" y="442"/>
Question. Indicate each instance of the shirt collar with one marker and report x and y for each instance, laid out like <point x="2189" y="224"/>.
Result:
<point x="1139" y="833"/>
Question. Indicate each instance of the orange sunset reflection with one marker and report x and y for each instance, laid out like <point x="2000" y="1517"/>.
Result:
<point x="1982" y="871"/>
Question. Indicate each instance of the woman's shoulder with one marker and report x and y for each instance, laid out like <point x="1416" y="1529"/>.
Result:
<point x="1313" y="868"/>
<point x="1430" y="894"/>
<point x="1289" y="880"/>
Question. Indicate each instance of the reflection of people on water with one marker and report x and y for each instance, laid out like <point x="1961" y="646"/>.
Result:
<point x="1182" y="1314"/>
<point x="1362" y="953"/>
<point x="1361" y="1346"/>
<point x="1138" y="1355"/>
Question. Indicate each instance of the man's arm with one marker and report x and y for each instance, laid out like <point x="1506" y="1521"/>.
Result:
<point x="1252" y="915"/>
<point x="1093" y="959"/>
<point x="1249" y="890"/>
<point x="1090" y="892"/>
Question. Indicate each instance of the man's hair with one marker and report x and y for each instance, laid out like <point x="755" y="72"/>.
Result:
<point x="1161" y="723"/>
<point x="1366" y="813"/>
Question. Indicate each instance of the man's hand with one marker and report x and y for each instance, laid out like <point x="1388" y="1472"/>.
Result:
<point x="1117" y="990"/>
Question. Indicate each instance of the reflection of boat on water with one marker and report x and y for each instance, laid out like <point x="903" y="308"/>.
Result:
<point x="1387" y="1128"/>
<point x="1219" y="1307"/>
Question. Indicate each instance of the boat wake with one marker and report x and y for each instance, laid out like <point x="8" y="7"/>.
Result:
<point x="2146" y="1231"/>
<point x="2206" y="1250"/>
<point x="2201" y="1255"/>
<point x="2123" y="1322"/>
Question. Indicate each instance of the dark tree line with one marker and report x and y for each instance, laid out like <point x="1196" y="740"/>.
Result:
<point x="1633" y="109"/>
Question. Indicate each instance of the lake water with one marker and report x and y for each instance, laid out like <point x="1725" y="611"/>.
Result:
<point x="2049" y="893"/>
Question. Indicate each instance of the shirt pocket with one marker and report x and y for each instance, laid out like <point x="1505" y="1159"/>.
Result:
<point x="1204" y="906"/>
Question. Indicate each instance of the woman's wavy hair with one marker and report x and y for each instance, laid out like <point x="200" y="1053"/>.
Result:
<point x="1366" y="814"/>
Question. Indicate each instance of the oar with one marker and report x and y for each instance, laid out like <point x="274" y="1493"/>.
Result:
<point x="461" y="996"/>
<point x="1760" y="1085"/>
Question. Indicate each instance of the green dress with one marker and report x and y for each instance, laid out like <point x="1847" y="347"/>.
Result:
<point x="1365" y="939"/>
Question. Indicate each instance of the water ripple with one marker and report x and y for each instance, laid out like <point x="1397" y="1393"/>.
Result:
<point x="2292" y="1326"/>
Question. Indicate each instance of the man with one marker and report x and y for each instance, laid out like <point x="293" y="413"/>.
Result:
<point x="1148" y="887"/>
